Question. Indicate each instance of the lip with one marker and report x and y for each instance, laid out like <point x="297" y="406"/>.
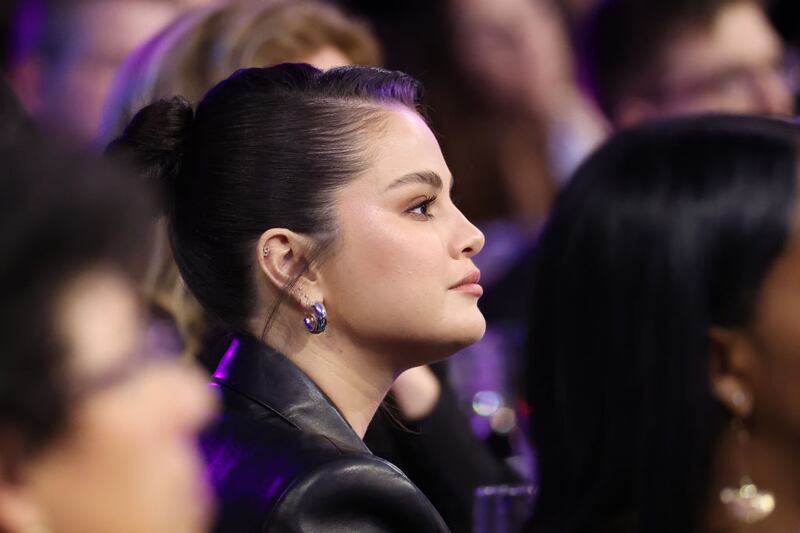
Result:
<point x="470" y="284"/>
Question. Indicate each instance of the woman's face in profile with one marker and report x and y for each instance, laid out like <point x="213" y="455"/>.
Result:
<point x="401" y="273"/>
<point x="127" y="459"/>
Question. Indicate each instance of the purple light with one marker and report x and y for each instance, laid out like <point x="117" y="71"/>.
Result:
<point x="222" y="369"/>
<point x="26" y="29"/>
<point x="274" y="487"/>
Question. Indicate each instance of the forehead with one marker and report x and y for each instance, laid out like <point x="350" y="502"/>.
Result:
<point x="405" y="144"/>
<point x="98" y="317"/>
<point x="739" y="36"/>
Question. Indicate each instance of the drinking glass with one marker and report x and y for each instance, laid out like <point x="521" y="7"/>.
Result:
<point x="502" y="508"/>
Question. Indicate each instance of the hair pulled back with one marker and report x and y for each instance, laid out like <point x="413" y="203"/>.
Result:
<point x="266" y="148"/>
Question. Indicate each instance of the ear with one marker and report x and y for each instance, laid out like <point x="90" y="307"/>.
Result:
<point x="731" y="368"/>
<point x="283" y="259"/>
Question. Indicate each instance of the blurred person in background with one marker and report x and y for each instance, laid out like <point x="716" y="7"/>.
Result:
<point x="97" y="431"/>
<point x="62" y="55"/>
<point x="664" y="355"/>
<point x="518" y="52"/>
<point x="439" y="453"/>
<point x="646" y="59"/>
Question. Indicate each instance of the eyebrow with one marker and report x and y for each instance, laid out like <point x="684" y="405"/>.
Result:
<point x="427" y="177"/>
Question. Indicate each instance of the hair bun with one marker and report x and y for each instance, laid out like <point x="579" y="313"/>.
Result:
<point x="154" y="142"/>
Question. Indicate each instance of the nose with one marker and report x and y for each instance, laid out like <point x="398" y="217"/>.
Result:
<point x="469" y="240"/>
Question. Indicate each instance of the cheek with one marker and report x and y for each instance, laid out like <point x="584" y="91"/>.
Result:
<point x="380" y="259"/>
<point x="387" y="273"/>
<point x="130" y="471"/>
<point x="779" y="361"/>
<point x="777" y="402"/>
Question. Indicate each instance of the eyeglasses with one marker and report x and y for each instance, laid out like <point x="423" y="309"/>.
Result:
<point x="736" y="81"/>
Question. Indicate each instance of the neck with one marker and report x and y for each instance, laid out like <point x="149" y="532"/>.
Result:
<point x="354" y="378"/>
<point x="773" y="465"/>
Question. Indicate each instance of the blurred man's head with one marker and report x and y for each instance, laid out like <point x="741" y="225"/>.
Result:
<point x="63" y="53"/>
<point x="646" y="59"/>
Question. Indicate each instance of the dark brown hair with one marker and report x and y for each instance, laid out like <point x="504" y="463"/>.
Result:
<point x="266" y="148"/>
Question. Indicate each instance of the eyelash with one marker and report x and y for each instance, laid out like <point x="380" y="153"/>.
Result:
<point x="424" y="206"/>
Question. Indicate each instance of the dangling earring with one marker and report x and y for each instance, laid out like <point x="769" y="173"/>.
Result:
<point x="316" y="319"/>
<point x="747" y="503"/>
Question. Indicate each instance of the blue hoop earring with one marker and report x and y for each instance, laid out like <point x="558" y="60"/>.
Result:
<point x="317" y="319"/>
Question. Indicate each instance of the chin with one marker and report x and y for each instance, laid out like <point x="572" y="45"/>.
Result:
<point x="470" y="331"/>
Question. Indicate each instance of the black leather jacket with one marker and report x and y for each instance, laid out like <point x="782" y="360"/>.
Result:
<point x="282" y="458"/>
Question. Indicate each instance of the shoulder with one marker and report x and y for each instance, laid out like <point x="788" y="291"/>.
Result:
<point x="252" y="463"/>
<point x="354" y="492"/>
<point x="274" y="477"/>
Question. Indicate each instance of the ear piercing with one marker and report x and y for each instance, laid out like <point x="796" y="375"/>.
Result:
<point x="265" y="251"/>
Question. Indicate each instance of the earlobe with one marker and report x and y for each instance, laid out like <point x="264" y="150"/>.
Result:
<point x="730" y="366"/>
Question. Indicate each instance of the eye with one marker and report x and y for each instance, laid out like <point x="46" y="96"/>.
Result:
<point x="421" y="209"/>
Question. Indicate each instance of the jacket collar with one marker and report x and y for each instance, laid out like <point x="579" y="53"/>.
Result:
<point x="267" y="377"/>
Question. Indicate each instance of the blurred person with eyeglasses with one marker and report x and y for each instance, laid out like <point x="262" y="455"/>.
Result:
<point x="97" y="423"/>
<point x="645" y="59"/>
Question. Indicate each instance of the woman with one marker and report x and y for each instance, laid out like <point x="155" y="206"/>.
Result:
<point x="190" y="56"/>
<point x="664" y="351"/>
<point x="439" y="453"/>
<point x="310" y="212"/>
<point x="95" y="432"/>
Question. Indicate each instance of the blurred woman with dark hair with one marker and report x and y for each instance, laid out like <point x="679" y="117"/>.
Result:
<point x="664" y="347"/>
<point x="95" y="430"/>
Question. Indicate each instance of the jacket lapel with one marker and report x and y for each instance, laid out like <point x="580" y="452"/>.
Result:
<point x="252" y="369"/>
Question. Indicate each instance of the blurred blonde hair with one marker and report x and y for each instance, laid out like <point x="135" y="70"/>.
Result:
<point x="206" y="45"/>
<point x="189" y="57"/>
